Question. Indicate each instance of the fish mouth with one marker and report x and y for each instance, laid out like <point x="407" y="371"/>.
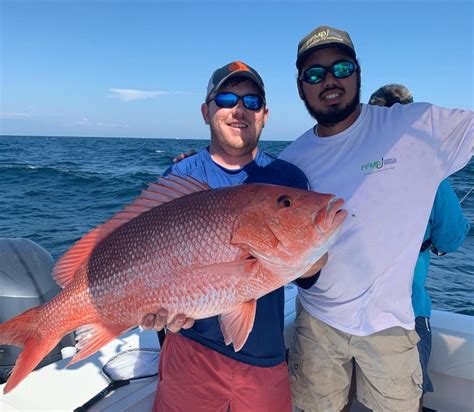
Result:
<point x="332" y="218"/>
<point x="335" y="212"/>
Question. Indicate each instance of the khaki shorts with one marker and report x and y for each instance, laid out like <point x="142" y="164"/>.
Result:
<point x="387" y="367"/>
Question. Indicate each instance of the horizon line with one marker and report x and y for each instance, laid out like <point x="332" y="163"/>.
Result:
<point x="123" y="137"/>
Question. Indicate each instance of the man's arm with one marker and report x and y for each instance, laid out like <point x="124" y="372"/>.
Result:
<point x="182" y="156"/>
<point x="449" y="226"/>
<point x="312" y="275"/>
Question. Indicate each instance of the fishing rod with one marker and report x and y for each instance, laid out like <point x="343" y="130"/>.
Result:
<point x="466" y="195"/>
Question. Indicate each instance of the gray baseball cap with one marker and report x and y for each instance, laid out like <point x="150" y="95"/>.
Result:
<point x="320" y="38"/>
<point x="238" y="69"/>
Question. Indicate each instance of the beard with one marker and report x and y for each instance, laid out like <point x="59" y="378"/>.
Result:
<point x="233" y="147"/>
<point x="335" y="114"/>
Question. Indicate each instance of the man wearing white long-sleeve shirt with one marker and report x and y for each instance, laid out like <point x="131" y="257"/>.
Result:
<point x="387" y="164"/>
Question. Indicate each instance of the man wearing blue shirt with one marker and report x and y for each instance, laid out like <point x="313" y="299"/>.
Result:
<point x="446" y="230"/>
<point x="198" y="371"/>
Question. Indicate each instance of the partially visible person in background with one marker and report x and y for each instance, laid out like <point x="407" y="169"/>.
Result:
<point x="447" y="228"/>
<point x="390" y="94"/>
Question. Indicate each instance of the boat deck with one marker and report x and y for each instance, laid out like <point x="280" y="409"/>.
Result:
<point x="57" y="388"/>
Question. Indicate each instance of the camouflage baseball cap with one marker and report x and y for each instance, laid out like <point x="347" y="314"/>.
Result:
<point x="232" y="69"/>
<point x="321" y="37"/>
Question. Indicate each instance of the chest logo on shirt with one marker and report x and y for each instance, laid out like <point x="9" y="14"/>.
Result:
<point x="378" y="165"/>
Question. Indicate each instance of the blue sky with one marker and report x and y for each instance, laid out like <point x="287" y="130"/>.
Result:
<point x="140" y="68"/>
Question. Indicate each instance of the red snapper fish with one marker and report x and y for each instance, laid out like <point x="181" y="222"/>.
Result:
<point x="183" y="247"/>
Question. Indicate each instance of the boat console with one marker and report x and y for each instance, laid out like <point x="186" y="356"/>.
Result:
<point x="25" y="281"/>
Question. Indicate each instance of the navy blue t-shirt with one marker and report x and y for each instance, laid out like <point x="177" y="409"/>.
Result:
<point x="265" y="345"/>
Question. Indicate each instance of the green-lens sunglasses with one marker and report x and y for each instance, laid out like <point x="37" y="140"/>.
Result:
<point x="317" y="73"/>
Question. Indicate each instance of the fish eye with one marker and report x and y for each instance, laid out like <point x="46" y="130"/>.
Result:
<point x="284" y="201"/>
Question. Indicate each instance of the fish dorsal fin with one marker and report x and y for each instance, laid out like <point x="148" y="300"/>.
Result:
<point x="237" y="324"/>
<point x="164" y="190"/>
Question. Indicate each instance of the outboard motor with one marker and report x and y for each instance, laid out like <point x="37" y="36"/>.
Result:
<point x="25" y="281"/>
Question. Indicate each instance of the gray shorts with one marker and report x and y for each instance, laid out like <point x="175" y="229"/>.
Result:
<point x="387" y="366"/>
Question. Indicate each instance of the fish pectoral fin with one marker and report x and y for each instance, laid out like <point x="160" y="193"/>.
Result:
<point x="237" y="324"/>
<point x="90" y="338"/>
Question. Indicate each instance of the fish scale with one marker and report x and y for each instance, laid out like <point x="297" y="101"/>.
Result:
<point x="182" y="247"/>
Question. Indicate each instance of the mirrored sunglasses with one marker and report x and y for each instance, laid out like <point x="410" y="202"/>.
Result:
<point x="340" y="70"/>
<point x="229" y="100"/>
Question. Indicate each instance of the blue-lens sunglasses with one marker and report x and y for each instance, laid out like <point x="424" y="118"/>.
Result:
<point x="317" y="73"/>
<point x="228" y="100"/>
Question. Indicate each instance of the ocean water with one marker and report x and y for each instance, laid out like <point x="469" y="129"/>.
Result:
<point x="53" y="190"/>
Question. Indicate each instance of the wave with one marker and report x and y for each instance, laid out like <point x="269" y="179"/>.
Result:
<point x="26" y="166"/>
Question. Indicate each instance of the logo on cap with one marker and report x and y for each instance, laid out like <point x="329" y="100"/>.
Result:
<point x="323" y="35"/>
<point x="238" y="66"/>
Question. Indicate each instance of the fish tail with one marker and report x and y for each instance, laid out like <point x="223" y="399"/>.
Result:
<point x="22" y="331"/>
